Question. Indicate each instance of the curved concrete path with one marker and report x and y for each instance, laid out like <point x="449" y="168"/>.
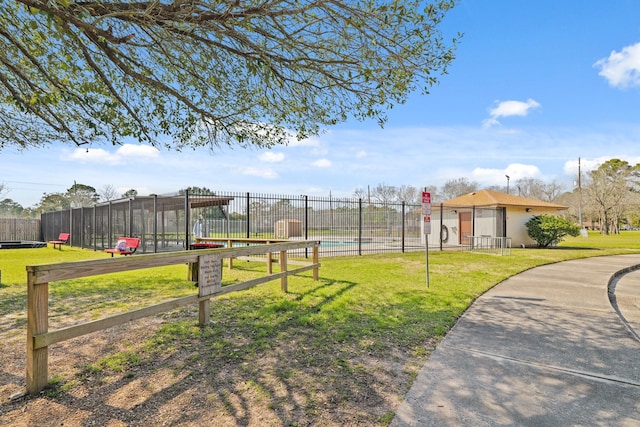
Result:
<point x="543" y="348"/>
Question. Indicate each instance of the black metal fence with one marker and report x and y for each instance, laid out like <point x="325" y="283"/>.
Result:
<point x="165" y="223"/>
<point x="344" y="226"/>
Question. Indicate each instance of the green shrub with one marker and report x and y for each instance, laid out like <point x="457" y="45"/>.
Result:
<point x="550" y="230"/>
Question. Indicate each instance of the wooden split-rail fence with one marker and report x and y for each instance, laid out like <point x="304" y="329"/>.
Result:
<point x="205" y="266"/>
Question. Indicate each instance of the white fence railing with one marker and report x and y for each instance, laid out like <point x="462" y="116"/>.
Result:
<point x="488" y="244"/>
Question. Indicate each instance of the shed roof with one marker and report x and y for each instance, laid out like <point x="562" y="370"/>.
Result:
<point x="177" y="202"/>
<point x="488" y="198"/>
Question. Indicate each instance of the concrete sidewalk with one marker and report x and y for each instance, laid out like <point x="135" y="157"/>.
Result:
<point x="544" y="348"/>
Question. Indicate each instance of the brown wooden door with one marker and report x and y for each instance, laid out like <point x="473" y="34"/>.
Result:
<point x="465" y="227"/>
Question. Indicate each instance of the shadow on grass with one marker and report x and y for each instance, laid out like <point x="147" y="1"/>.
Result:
<point x="317" y="355"/>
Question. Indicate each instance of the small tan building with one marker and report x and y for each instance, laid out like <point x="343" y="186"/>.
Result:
<point x="488" y="214"/>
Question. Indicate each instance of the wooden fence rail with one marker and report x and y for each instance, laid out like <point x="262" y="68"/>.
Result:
<point x="207" y="264"/>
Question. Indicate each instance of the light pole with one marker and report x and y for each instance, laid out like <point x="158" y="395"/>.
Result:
<point x="507" y="183"/>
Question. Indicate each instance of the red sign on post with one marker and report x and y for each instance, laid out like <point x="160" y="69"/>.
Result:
<point x="426" y="212"/>
<point x="426" y="197"/>
<point x="427" y="224"/>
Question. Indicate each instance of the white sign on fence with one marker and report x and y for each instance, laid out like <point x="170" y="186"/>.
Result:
<point x="209" y="274"/>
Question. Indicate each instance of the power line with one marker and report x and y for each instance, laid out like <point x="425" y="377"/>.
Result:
<point x="35" y="183"/>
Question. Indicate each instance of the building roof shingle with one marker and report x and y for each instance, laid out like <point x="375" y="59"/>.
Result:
<point x="488" y="198"/>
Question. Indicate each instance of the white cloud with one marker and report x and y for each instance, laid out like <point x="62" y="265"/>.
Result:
<point x="621" y="69"/>
<point x="315" y="190"/>
<point x="261" y="173"/>
<point x="361" y="154"/>
<point x="322" y="163"/>
<point x="507" y="109"/>
<point x="138" y="151"/>
<point x="515" y="171"/>
<point x="518" y="170"/>
<point x="271" y="157"/>
<point x="307" y="142"/>
<point x="120" y="156"/>
<point x="93" y="155"/>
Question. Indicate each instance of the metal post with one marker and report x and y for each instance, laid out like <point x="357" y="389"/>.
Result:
<point x="95" y="228"/>
<point x="248" y="215"/>
<point x="426" y="239"/>
<point x="187" y="220"/>
<point x="109" y="227"/>
<point x="441" y="224"/>
<point x="82" y="226"/>
<point x="130" y="218"/>
<point x="403" y="231"/>
<point x="360" y="227"/>
<point x="504" y="229"/>
<point x="155" y="223"/>
<point x="582" y="231"/>
<point x="306" y="224"/>
<point x="473" y="226"/>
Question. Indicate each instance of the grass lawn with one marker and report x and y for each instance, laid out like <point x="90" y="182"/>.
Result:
<point x="342" y="350"/>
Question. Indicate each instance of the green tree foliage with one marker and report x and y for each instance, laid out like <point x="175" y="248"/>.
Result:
<point x="132" y="192"/>
<point x="76" y="196"/>
<point x="54" y="202"/>
<point x="612" y="192"/>
<point x="549" y="230"/>
<point x="197" y="191"/>
<point x="10" y="209"/>
<point x="210" y="72"/>
<point x="80" y="195"/>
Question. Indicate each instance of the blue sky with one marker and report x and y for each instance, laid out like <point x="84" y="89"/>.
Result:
<point x="535" y="85"/>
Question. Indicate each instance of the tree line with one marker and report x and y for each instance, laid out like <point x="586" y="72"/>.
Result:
<point x="607" y="198"/>
<point x="531" y="188"/>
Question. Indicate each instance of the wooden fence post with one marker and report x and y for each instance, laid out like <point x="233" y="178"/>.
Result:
<point x="230" y="245"/>
<point x="37" y="323"/>
<point x="204" y="312"/>
<point x="316" y="258"/>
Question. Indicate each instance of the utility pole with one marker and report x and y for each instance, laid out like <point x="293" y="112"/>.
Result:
<point x="580" y="198"/>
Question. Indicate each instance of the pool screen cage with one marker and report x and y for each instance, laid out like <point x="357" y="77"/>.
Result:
<point x="345" y="226"/>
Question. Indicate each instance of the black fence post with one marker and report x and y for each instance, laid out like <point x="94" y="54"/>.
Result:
<point x="70" y="225"/>
<point x="94" y="228"/>
<point x="155" y="223"/>
<point x="109" y="226"/>
<point x="441" y="224"/>
<point x="130" y="231"/>
<point x="504" y="228"/>
<point x="473" y="226"/>
<point x="360" y="221"/>
<point x="248" y="215"/>
<point x="306" y="223"/>
<point x="403" y="221"/>
<point x="82" y="227"/>
<point x="187" y="220"/>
